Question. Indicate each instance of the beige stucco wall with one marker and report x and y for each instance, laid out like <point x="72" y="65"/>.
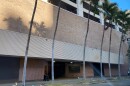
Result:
<point x="126" y="63"/>
<point x="16" y="15"/>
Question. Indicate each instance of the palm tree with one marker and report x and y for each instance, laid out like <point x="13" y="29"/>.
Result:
<point x="123" y="19"/>
<point x="27" y="46"/>
<point x="112" y="18"/>
<point x="53" y="42"/>
<point x="106" y="6"/>
<point x="94" y="3"/>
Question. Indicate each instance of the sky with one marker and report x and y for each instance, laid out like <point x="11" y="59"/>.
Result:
<point x="122" y="4"/>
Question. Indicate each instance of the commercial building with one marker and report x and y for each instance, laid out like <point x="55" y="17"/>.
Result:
<point x="15" y="18"/>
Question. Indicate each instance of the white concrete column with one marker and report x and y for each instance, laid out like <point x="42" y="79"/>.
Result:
<point x="101" y="14"/>
<point x="79" y="8"/>
<point x="117" y="27"/>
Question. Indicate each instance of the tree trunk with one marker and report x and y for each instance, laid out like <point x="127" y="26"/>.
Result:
<point x="128" y="66"/>
<point x="128" y="55"/>
<point x="109" y="52"/>
<point x="84" y="50"/>
<point x="101" y="51"/>
<point x="27" y="46"/>
<point x="119" y="56"/>
<point x="53" y="42"/>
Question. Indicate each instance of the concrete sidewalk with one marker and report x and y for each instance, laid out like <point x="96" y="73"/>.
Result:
<point x="70" y="82"/>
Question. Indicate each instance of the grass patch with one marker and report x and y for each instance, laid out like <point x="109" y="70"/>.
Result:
<point x="57" y="84"/>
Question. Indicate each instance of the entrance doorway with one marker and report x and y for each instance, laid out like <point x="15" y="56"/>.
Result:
<point x="9" y="68"/>
<point x="97" y="69"/>
<point x="59" y="70"/>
